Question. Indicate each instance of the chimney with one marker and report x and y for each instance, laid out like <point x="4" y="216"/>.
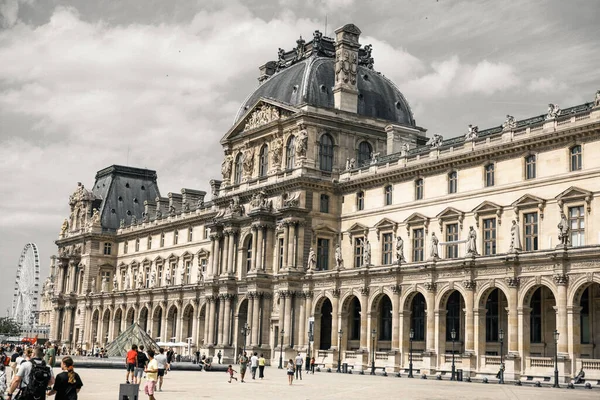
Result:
<point x="345" y="91"/>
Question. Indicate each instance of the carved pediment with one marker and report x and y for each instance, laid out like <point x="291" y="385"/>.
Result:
<point x="487" y="208"/>
<point x="451" y="214"/>
<point x="575" y="194"/>
<point x="322" y="228"/>
<point x="172" y="258"/>
<point x="386" y="224"/>
<point x="357" y="230"/>
<point x="159" y="260"/>
<point x="202" y="253"/>
<point x="529" y="201"/>
<point x="146" y="261"/>
<point x="416" y="219"/>
<point x="187" y="254"/>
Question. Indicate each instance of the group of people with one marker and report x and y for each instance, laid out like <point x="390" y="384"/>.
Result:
<point x="32" y="375"/>
<point x="256" y="363"/>
<point x="155" y="366"/>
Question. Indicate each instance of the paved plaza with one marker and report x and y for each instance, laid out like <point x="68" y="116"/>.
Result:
<point x="183" y="385"/>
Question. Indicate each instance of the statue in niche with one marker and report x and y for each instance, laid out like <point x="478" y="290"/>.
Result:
<point x="312" y="260"/>
<point x="226" y="167"/>
<point x="93" y="286"/>
<point x="199" y="275"/>
<point x="276" y="150"/>
<point x="472" y="133"/>
<point x="564" y="230"/>
<point x="182" y="275"/>
<point x="366" y="252"/>
<point x="140" y="279"/>
<point x="153" y="278"/>
<point x="515" y="237"/>
<point x="301" y="141"/>
<point x="64" y="227"/>
<point x="186" y="207"/>
<point x="510" y="123"/>
<point x="115" y="283"/>
<point x="339" y="262"/>
<point x="472" y="242"/>
<point x="104" y="287"/>
<point x="168" y="277"/>
<point x="248" y="161"/>
<point x="400" y="250"/>
<point x="553" y="111"/>
<point x="434" y="254"/>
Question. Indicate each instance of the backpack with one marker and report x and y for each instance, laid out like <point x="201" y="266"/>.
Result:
<point x="38" y="381"/>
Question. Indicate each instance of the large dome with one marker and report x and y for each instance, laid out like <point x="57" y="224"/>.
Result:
<point x="311" y="82"/>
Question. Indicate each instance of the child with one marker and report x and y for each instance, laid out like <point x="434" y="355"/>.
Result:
<point x="68" y="383"/>
<point x="231" y="371"/>
<point x="2" y="381"/>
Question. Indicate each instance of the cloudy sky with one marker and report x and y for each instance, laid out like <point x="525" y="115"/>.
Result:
<point x="155" y="84"/>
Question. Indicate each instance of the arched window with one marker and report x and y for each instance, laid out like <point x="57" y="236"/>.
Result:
<point x="326" y="153"/>
<point x="237" y="178"/>
<point x="575" y="158"/>
<point x="385" y="321"/>
<point x="417" y="322"/>
<point x="290" y="155"/>
<point x="263" y="166"/>
<point x="355" y="309"/>
<point x="453" y="310"/>
<point x="249" y="254"/>
<point x="364" y="153"/>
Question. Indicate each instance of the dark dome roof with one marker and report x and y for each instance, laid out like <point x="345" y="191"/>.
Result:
<point x="311" y="81"/>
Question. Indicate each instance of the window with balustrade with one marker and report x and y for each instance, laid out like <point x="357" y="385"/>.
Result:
<point x="530" y="222"/>
<point x="387" y="250"/>
<point x="418" y="244"/>
<point x="452" y="236"/>
<point x="489" y="236"/>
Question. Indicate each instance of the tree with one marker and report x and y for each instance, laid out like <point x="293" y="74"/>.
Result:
<point x="9" y="326"/>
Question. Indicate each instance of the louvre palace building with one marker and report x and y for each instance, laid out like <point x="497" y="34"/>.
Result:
<point x="340" y="228"/>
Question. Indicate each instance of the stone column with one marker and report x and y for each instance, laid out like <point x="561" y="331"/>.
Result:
<point x="231" y="251"/>
<point x="469" y="325"/>
<point x="209" y="321"/>
<point x="72" y="273"/>
<point x="213" y="255"/>
<point x="163" y="326"/>
<point x="364" y="311"/>
<point x="524" y="332"/>
<point x="60" y="284"/>
<point x="255" y="320"/>
<point x="574" y="314"/>
<point x="195" y="323"/>
<point x="291" y="245"/>
<point x="396" y="318"/>
<point x="430" y="299"/>
<point x="221" y="320"/>
<point x="301" y="320"/>
<point x="440" y="332"/>
<point x="288" y="319"/>
<point x="561" y="313"/>
<point x="227" y="320"/>
<point x="286" y="234"/>
<point x="217" y="255"/>
<point x="250" y="314"/>
<point x="479" y="333"/>
<point x="54" y="323"/>
<point x="225" y="266"/>
<point x="254" y="246"/>
<point x="259" y="248"/>
<point x="513" y="315"/>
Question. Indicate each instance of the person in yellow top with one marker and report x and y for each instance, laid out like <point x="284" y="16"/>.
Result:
<point x="151" y="371"/>
<point x="261" y="366"/>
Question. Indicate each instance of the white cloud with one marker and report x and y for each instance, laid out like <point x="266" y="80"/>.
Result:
<point x="546" y="85"/>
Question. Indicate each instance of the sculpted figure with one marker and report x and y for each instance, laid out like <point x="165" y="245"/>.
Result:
<point x="128" y="280"/>
<point x="434" y="246"/>
<point x="93" y="288"/>
<point x="182" y="275"/>
<point x="472" y="242"/>
<point x="510" y="123"/>
<point x="226" y="167"/>
<point x="515" y="237"/>
<point x="122" y="224"/>
<point x="366" y="253"/>
<point x="64" y="227"/>
<point x="553" y="111"/>
<point x="115" y="283"/>
<point x="140" y="279"/>
<point x="199" y="274"/>
<point x="276" y="150"/>
<point x="597" y="99"/>
<point x="472" y="133"/>
<point x="248" y="161"/>
<point x="168" y="277"/>
<point x="301" y="141"/>
<point x="312" y="260"/>
<point x="104" y="287"/>
<point x="339" y="262"/>
<point x="564" y="230"/>
<point x="400" y="250"/>
<point x="405" y="147"/>
<point x="153" y="278"/>
<point x="435" y="141"/>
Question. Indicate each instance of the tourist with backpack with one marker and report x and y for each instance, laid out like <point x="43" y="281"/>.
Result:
<point x="68" y="383"/>
<point x="32" y="379"/>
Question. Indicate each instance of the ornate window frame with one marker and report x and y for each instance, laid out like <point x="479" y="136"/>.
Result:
<point x="488" y="164"/>
<point x="320" y="147"/>
<point x="526" y="204"/>
<point x="570" y="156"/>
<point x="416" y="221"/>
<point x="452" y="176"/>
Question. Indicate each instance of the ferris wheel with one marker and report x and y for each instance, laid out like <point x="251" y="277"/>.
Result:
<point x="26" y="296"/>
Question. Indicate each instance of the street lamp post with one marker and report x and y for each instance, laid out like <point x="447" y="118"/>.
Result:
<point x="556" y="385"/>
<point x="339" y="351"/>
<point x="310" y="339"/>
<point x="373" y="334"/>
<point x="245" y="331"/>
<point x="411" y="336"/>
<point x="501" y="337"/>
<point x="281" y="351"/>
<point x="453" y="334"/>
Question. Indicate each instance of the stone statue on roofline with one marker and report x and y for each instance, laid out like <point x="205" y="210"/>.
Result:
<point x="472" y="133"/>
<point x="509" y="123"/>
<point x="435" y="141"/>
<point x="597" y="99"/>
<point x="553" y="111"/>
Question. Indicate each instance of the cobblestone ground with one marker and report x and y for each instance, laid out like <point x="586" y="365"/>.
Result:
<point x="183" y="385"/>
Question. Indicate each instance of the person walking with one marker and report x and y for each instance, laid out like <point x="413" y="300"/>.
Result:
<point x="67" y="384"/>
<point x="151" y="371"/>
<point x="142" y="360"/>
<point x="219" y="358"/>
<point x="261" y="366"/>
<point x="231" y="371"/>
<point x="42" y="378"/>
<point x="243" y="366"/>
<point x="290" y="371"/>
<point x="131" y="363"/>
<point x="50" y="356"/>
<point x="299" y="362"/>
<point x="161" y="360"/>
<point x="254" y="364"/>
<point x="13" y="361"/>
<point x="312" y="365"/>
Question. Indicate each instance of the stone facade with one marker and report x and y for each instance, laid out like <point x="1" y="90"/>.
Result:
<point x="354" y="231"/>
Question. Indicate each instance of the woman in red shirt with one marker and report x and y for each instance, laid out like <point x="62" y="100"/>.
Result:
<point x="131" y="361"/>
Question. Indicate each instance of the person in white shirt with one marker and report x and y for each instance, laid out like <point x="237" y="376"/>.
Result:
<point x="254" y="364"/>
<point x="163" y="365"/>
<point x="299" y="362"/>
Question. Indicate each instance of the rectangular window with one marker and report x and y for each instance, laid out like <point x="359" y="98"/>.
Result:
<point x="576" y="158"/>
<point x="190" y="234"/>
<point x="358" y="252"/>
<point x="531" y="231"/>
<point x="419" y="189"/>
<point x="107" y="249"/>
<point x="160" y="274"/>
<point x="530" y="167"/>
<point x="418" y="244"/>
<point x="206" y="233"/>
<point x="489" y="175"/>
<point x="451" y="236"/>
<point x="489" y="237"/>
<point x="125" y="247"/>
<point x="452" y="182"/>
<point x="162" y="240"/>
<point x="137" y="244"/>
<point x="577" y="224"/>
<point x="147" y="276"/>
<point x="388" y="195"/>
<point x="387" y="250"/>
<point x="280" y="254"/>
<point x="360" y="201"/>
<point x="149" y="242"/>
<point x="176" y="237"/>
<point x="324" y="204"/>
<point x="188" y="271"/>
<point x="322" y="254"/>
